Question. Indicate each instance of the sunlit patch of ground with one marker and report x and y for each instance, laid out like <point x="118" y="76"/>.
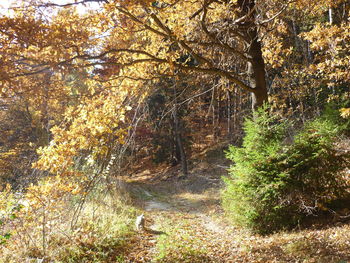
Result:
<point x="195" y="229"/>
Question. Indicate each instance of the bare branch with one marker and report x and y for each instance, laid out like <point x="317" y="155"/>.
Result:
<point x="219" y="72"/>
<point x="214" y="38"/>
<point x="137" y="20"/>
<point x="72" y="4"/>
<point x="276" y="15"/>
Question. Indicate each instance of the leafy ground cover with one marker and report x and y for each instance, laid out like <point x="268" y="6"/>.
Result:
<point x="185" y="223"/>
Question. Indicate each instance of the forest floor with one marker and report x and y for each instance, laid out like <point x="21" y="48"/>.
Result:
<point x="185" y="223"/>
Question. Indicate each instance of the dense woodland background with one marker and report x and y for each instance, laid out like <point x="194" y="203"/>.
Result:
<point x="96" y="94"/>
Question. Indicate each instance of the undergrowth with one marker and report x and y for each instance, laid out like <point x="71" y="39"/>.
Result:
<point x="274" y="185"/>
<point x="98" y="233"/>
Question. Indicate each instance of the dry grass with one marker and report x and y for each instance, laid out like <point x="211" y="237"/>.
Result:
<point x="99" y="234"/>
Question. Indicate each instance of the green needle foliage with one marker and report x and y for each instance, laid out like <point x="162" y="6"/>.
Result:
<point x="274" y="185"/>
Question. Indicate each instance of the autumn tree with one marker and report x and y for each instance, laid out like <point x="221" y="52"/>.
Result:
<point x="306" y="57"/>
<point x="123" y="48"/>
<point x="74" y="81"/>
<point x="164" y="38"/>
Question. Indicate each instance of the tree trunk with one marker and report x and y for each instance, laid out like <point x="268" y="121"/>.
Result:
<point x="330" y="13"/>
<point x="229" y="113"/>
<point x="256" y="71"/>
<point x="183" y="158"/>
<point x="256" y="66"/>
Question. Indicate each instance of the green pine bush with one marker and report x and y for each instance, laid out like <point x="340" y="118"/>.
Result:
<point x="274" y="185"/>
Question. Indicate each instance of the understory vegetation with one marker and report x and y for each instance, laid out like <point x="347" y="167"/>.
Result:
<point x="92" y="228"/>
<point x="277" y="178"/>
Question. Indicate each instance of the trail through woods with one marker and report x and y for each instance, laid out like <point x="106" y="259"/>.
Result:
<point x="185" y="223"/>
<point x="187" y="210"/>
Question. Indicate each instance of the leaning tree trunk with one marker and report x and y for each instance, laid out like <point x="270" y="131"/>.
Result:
<point x="256" y="66"/>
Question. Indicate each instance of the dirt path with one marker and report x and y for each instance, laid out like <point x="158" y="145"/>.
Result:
<point x="188" y="212"/>
<point x="185" y="223"/>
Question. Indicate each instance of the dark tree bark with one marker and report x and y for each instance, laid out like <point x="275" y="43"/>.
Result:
<point x="183" y="158"/>
<point x="178" y="137"/>
<point x="256" y="66"/>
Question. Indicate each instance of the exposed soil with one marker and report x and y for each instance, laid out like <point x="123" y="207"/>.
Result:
<point x="189" y="211"/>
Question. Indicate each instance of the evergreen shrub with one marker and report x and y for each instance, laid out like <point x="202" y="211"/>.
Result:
<point x="272" y="184"/>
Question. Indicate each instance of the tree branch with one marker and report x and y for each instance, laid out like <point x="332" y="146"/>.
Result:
<point x="74" y="3"/>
